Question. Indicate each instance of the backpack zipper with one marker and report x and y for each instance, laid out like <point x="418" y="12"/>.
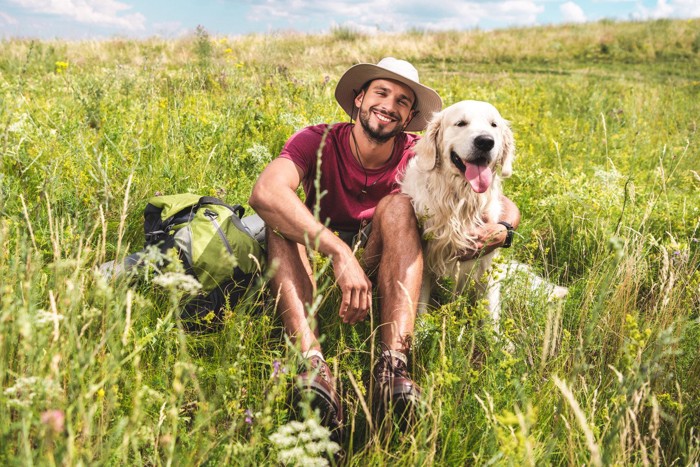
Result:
<point x="211" y="215"/>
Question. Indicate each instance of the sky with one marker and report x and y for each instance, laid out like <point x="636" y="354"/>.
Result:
<point x="96" y="19"/>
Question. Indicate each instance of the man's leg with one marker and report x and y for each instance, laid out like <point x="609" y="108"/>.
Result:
<point x="395" y="246"/>
<point x="294" y="284"/>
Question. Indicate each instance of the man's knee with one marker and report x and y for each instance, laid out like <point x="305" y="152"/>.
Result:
<point x="286" y="256"/>
<point x="396" y="211"/>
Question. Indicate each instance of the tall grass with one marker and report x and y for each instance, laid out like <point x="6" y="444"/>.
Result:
<point x="100" y="371"/>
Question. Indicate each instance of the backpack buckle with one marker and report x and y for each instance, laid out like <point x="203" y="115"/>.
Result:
<point x="154" y="237"/>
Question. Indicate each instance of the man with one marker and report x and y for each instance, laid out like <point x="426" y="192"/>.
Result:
<point x="358" y="168"/>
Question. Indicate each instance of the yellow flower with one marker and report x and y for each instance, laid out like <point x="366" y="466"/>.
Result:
<point x="101" y="393"/>
<point x="61" y="67"/>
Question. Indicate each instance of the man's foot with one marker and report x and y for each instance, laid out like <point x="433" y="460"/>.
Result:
<point x="315" y="376"/>
<point x="393" y="388"/>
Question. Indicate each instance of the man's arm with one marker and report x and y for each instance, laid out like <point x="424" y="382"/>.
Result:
<point x="275" y="200"/>
<point x="493" y="235"/>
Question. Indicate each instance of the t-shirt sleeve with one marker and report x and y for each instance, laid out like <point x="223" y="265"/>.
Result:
<point x="302" y="149"/>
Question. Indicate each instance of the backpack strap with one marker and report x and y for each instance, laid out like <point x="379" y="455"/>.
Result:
<point x="236" y="209"/>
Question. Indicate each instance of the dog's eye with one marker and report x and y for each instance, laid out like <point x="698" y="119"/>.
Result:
<point x="461" y="123"/>
<point x="493" y="124"/>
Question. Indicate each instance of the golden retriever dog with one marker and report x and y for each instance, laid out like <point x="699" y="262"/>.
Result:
<point x="454" y="182"/>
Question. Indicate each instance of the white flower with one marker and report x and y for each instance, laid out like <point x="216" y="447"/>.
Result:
<point x="303" y="443"/>
<point x="18" y="126"/>
<point x="45" y="317"/>
<point x="30" y="390"/>
<point x="259" y="153"/>
<point x="178" y="281"/>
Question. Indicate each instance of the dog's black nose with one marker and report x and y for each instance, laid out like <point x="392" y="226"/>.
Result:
<point x="484" y="142"/>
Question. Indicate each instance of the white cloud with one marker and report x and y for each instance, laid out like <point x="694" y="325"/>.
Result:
<point x="7" y="19"/>
<point x="686" y="8"/>
<point x="387" y="15"/>
<point x="99" y="12"/>
<point x="669" y="9"/>
<point x="517" y="11"/>
<point x="572" y="13"/>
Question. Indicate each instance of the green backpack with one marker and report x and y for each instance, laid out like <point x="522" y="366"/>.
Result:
<point x="213" y="244"/>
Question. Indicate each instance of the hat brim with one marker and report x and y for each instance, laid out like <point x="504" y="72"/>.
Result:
<point x="351" y="82"/>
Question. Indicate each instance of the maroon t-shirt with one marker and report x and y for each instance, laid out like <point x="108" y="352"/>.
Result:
<point x="342" y="178"/>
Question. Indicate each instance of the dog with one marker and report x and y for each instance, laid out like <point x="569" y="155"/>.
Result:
<point x="454" y="182"/>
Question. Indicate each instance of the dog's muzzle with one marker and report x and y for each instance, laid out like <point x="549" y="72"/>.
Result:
<point x="484" y="142"/>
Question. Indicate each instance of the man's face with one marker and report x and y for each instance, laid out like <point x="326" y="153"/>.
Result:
<point x="385" y="109"/>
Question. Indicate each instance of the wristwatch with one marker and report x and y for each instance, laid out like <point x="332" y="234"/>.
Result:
<point x="509" y="234"/>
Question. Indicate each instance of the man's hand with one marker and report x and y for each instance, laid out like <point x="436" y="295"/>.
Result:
<point x="488" y="237"/>
<point x="492" y="235"/>
<point x="355" y="286"/>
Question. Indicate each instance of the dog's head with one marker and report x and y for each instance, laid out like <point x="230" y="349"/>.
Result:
<point x="470" y="138"/>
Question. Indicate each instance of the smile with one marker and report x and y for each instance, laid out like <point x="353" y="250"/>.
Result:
<point x="383" y="118"/>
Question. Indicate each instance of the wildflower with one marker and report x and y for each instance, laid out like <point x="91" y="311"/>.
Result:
<point x="61" y="67"/>
<point x="249" y="416"/>
<point x="209" y="317"/>
<point x="259" y="153"/>
<point x="31" y="390"/>
<point x="54" y="419"/>
<point x="277" y="369"/>
<point x="19" y="125"/>
<point x="304" y="443"/>
<point x="101" y="393"/>
<point x="178" y="281"/>
<point x="45" y="317"/>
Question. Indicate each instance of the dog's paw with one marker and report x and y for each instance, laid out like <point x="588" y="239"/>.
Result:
<point x="558" y="293"/>
<point x="507" y="345"/>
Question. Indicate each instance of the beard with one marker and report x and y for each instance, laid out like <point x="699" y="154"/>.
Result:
<point x="377" y="134"/>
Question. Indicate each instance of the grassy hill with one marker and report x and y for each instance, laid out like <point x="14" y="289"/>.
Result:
<point x="605" y="117"/>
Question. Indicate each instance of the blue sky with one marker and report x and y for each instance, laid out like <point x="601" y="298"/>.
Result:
<point x="84" y="19"/>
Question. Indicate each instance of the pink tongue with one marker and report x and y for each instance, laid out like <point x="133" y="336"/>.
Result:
<point x="479" y="176"/>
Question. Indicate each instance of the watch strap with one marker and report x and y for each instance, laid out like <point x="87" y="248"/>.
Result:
<point x="509" y="234"/>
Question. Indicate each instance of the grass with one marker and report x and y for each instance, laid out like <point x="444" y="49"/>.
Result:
<point x="606" y="177"/>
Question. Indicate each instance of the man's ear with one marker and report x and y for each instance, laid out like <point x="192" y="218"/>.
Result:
<point x="358" y="99"/>
<point x="410" y="117"/>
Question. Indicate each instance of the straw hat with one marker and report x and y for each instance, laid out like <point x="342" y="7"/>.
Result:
<point x="350" y="84"/>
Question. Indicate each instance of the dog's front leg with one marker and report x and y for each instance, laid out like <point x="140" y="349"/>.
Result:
<point x="493" y="295"/>
<point x="425" y="288"/>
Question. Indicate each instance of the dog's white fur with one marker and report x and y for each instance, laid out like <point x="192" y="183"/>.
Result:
<point x="446" y="205"/>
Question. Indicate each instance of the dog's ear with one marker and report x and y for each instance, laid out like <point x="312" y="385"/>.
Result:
<point x="429" y="148"/>
<point x="507" y="151"/>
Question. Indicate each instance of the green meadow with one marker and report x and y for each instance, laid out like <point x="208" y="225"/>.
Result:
<point x="607" y="177"/>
